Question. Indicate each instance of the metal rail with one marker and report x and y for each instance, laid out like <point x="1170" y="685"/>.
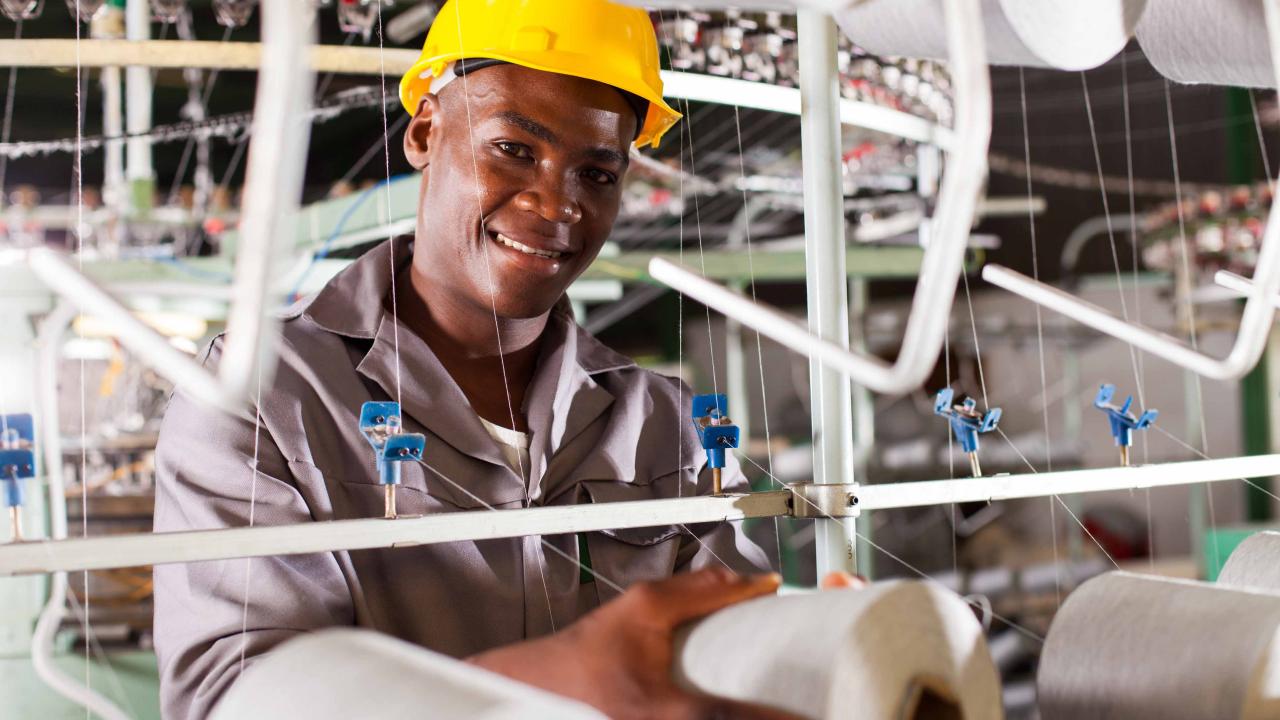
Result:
<point x="347" y="60"/>
<point x="226" y="544"/>
<point x="338" y="535"/>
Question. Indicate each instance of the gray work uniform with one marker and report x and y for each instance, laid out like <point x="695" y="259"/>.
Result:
<point x="602" y="430"/>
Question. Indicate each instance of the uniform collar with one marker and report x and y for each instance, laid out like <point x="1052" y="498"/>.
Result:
<point x="351" y="305"/>
<point x="563" y="399"/>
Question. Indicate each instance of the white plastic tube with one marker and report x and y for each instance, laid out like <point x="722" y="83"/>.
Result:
<point x="272" y="192"/>
<point x="132" y="550"/>
<point x="943" y="257"/>
<point x="49" y="345"/>
<point x="149" y="346"/>
<point x="1239" y="284"/>
<point x="1259" y="309"/>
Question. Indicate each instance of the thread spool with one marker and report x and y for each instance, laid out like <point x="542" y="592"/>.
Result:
<point x="1254" y="563"/>
<point x="1075" y="35"/>
<point x="345" y="673"/>
<point x="900" y="650"/>
<point x="1145" y="648"/>
<point x="1223" y="42"/>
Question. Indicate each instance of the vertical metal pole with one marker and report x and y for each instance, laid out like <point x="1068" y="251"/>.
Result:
<point x="114" y="193"/>
<point x="825" y="269"/>
<point x="138" y="111"/>
<point x="864" y="418"/>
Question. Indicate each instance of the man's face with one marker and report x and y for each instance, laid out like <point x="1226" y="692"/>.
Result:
<point x="522" y="177"/>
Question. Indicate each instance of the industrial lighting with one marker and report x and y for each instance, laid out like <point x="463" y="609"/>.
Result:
<point x="169" y="324"/>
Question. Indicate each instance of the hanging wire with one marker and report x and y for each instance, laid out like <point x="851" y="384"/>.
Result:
<point x="77" y="172"/>
<point x="1190" y="307"/>
<point x="493" y="304"/>
<point x="920" y="573"/>
<point x="231" y="126"/>
<point x="1111" y="233"/>
<point x="1044" y="383"/>
<point x="1137" y="296"/>
<point x="7" y="126"/>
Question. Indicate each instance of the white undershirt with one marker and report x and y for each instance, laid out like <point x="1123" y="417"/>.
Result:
<point x="514" y="444"/>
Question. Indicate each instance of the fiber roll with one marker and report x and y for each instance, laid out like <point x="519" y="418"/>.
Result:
<point x="896" y="650"/>
<point x="1254" y="563"/>
<point x="346" y="673"/>
<point x="1063" y="34"/>
<point x="1208" y="41"/>
<point x="1144" y="648"/>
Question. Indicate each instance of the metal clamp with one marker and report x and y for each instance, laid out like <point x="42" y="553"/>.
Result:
<point x="716" y="432"/>
<point x="822" y="500"/>
<point x="17" y="463"/>
<point x="381" y="425"/>
<point x="1123" y="422"/>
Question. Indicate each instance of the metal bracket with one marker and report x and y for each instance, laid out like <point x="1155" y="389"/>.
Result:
<point x="823" y="500"/>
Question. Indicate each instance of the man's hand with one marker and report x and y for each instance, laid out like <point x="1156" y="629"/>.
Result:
<point x="618" y="657"/>
<point x="842" y="580"/>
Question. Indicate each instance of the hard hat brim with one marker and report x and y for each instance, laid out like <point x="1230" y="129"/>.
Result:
<point x="661" y="116"/>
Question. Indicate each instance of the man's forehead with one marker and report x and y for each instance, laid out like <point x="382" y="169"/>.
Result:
<point x="521" y="96"/>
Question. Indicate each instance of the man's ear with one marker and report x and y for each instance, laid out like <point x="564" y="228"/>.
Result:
<point x="418" y="136"/>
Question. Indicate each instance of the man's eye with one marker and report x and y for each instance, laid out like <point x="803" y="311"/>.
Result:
<point x="601" y="177"/>
<point x="514" y="149"/>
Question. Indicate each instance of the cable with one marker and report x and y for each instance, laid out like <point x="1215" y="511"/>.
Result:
<point x="7" y="125"/>
<point x="1035" y="273"/>
<point x="334" y="234"/>
<point x="230" y="126"/>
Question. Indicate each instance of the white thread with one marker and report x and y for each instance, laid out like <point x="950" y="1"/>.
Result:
<point x="8" y="114"/>
<point x="493" y="304"/>
<point x="1044" y="383"/>
<point x="77" y="171"/>
<point x="1111" y="233"/>
<point x="253" y="503"/>
<point x="386" y="151"/>
<point x="951" y="460"/>
<point x="923" y="575"/>
<point x="751" y="274"/>
<point x="1186" y="445"/>
<point x="581" y="566"/>
<point x="1191" y="312"/>
<point x="1137" y="295"/>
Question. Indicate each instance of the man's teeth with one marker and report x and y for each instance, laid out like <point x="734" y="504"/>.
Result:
<point x="526" y="249"/>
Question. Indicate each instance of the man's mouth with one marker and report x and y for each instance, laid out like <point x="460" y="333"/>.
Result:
<point x="527" y="250"/>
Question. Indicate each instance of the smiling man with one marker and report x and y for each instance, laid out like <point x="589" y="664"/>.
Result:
<point x="524" y="114"/>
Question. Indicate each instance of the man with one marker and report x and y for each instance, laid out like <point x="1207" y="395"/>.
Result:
<point x="524" y="114"/>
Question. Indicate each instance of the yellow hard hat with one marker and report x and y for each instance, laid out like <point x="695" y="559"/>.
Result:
<point x="592" y="39"/>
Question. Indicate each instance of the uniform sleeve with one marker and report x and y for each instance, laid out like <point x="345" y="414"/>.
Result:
<point x="210" y="615"/>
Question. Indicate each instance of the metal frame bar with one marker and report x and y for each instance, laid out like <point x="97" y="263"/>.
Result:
<point x="1255" y="322"/>
<point x="831" y="406"/>
<point x="365" y="61"/>
<point x="1239" y="284"/>
<point x="947" y="235"/>
<point x="776" y="98"/>
<point x="205" y="54"/>
<point x="339" y="535"/>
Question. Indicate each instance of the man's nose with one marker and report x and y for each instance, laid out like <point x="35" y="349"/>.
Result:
<point x="551" y="203"/>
